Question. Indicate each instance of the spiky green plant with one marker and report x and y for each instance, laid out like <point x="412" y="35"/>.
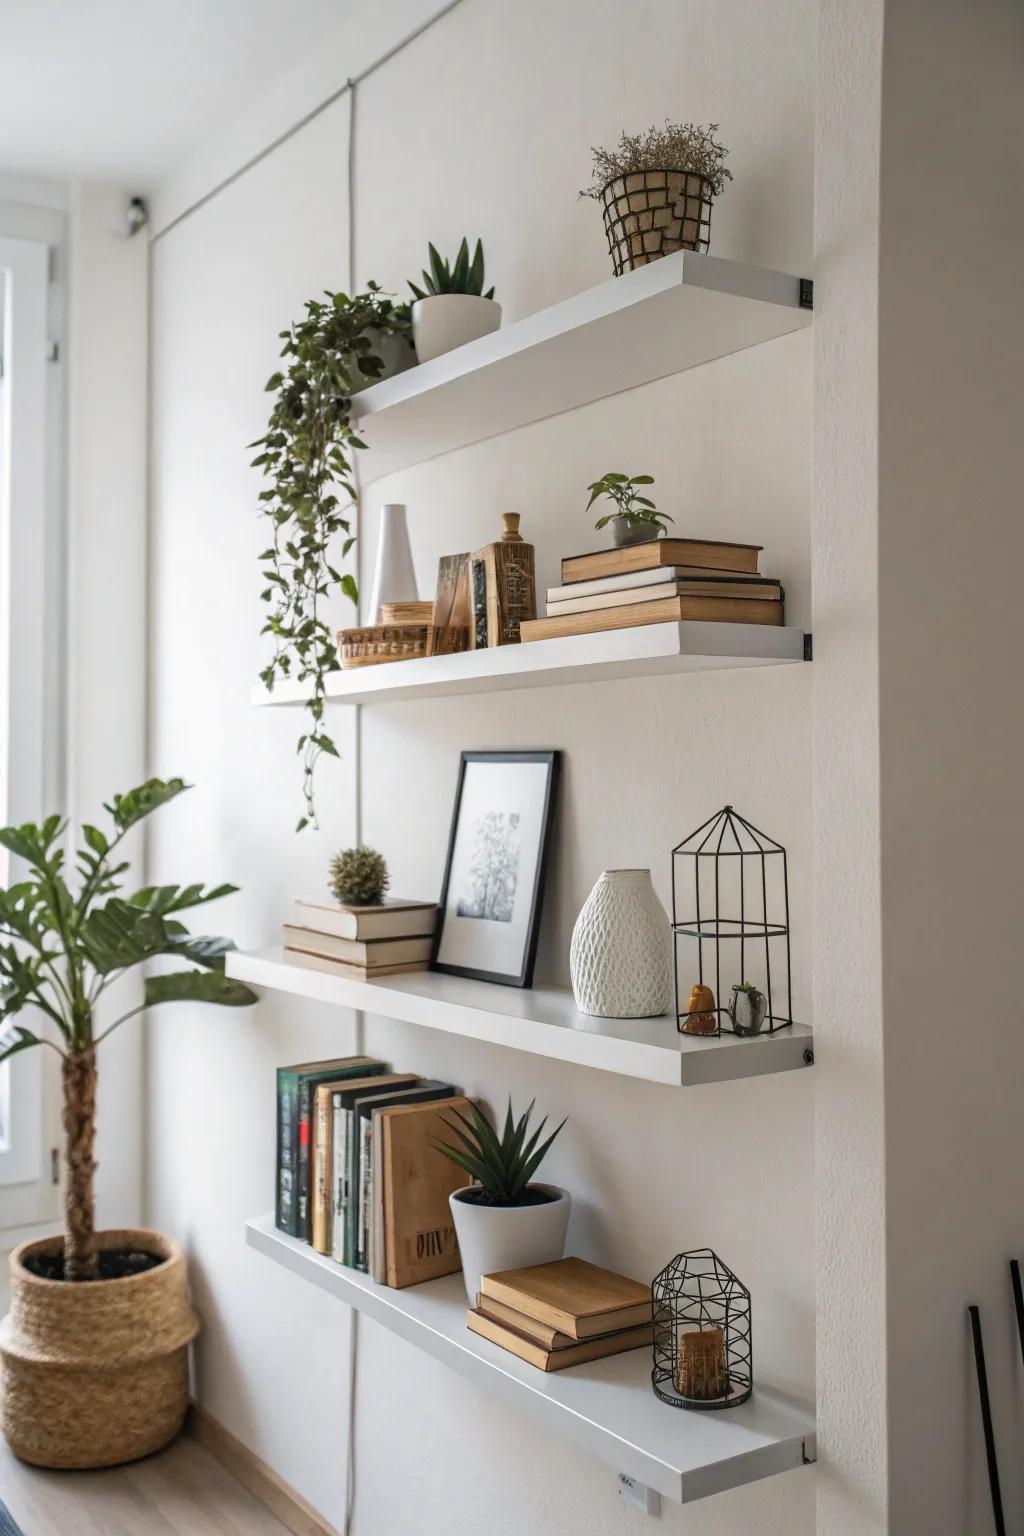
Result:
<point x="635" y="509"/>
<point x="62" y="944"/>
<point x="502" y="1166"/>
<point x="359" y="877"/>
<point x="464" y="276"/>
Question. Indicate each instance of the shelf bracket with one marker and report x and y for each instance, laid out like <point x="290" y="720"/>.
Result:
<point x="806" y="293"/>
<point x="639" y="1494"/>
<point x="809" y="1450"/>
<point x="808" y="647"/>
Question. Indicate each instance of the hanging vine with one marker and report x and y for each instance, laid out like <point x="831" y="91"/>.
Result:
<point x="307" y="455"/>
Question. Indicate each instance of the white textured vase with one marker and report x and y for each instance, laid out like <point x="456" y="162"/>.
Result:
<point x="620" y="958"/>
<point x="394" y="579"/>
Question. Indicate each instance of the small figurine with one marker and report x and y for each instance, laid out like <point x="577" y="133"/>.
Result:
<point x="747" y="1009"/>
<point x="700" y="1017"/>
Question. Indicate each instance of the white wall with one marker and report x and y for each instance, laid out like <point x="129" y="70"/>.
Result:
<point x="482" y="126"/>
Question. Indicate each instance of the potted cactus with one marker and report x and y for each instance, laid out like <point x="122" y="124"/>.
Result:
<point x="359" y="877"/>
<point x="452" y="308"/>
<point x="503" y="1220"/>
<point x="95" y="1347"/>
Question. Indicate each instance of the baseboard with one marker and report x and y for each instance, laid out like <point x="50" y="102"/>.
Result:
<point x="262" y="1482"/>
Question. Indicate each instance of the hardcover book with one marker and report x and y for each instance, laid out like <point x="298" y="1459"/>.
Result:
<point x="654" y="575"/>
<point x="365" y="954"/>
<point x="390" y="919"/>
<point x="572" y="1295"/>
<point x="721" y="610"/>
<point x="745" y="587"/>
<point x="361" y="1160"/>
<point x="559" y="1359"/>
<point x="321" y="1161"/>
<point x="334" y="1187"/>
<point x="419" y="1235"/>
<point x="741" y="558"/>
<point x="289" y="1134"/>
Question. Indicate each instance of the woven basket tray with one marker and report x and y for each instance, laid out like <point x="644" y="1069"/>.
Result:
<point x="378" y="643"/>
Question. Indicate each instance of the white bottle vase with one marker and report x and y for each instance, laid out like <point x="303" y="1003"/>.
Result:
<point x="394" y="579"/>
<point x="620" y="958"/>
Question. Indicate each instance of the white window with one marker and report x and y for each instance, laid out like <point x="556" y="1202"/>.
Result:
<point x="25" y="478"/>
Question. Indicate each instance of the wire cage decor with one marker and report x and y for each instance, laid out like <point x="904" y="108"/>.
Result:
<point x="730" y="926"/>
<point x="648" y="214"/>
<point x="703" y="1347"/>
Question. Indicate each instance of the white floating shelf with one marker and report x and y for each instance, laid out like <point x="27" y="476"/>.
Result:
<point x="607" y="1407"/>
<point x="674" y="314"/>
<point x="649" y="650"/>
<point x="542" y="1021"/>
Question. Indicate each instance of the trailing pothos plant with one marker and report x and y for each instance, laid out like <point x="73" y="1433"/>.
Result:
<point x="307" y="456"/>
<point x="62" y="948"/>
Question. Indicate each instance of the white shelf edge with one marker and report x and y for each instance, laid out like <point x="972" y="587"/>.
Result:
<point x="541" y="1021"/>
<point x="607" y="1407"/>
<point x="648" y="650"/>
<point x="677" y="313"/>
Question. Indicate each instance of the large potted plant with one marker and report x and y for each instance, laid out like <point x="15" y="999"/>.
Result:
<point x="95" y="1347"/>
<point x="452" y="308"/>
<point x="656" y="189"/>
<point x="503" y="1220"/>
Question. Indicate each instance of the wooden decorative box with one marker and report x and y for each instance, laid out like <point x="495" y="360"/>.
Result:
<point x="377" y="643"/>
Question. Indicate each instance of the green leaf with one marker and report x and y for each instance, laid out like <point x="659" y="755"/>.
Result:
<point x="439" y="269"/>
<point x="197" y="987"/>
<point x="163" y="899"/>
<point x="96" y="840"/>
<point x="460" y="271"/>
<point x="475" y="281"/>
<point x="130" y="808"/>
<point x="642" y="480"/>
<point x="118" y="935"/>
<point x="208" y="951"/>
<point x="16" y="1038"/>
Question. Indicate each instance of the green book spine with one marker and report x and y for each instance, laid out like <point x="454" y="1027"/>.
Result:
<point x="286" y="1213"/>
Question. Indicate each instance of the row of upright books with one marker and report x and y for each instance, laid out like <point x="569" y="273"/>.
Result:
<point x="363" y="942"/>
<point x="659" y="581"/>
<point x="358" y="1173"/>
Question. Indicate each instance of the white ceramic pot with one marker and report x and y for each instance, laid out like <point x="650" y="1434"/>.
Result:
<point x="496" y="1237"/>
<point x="620" y="957"/>
<point x="394" y="579"/>
<point x="448" y="320"/>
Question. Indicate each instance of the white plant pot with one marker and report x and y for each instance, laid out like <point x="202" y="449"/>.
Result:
<point x="445" y="321"/>
<point x="394" y="579"/>
<point x="496" y="1237"/>
<point x="620" y="957"/>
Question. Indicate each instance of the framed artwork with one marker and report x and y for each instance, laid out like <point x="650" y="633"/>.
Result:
<point x="497" y="861"/>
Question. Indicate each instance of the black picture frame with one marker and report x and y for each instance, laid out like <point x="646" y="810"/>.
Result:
<point x="523" y="977"/>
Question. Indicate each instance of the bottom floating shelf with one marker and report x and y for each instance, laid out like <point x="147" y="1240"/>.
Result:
<point x="606" y="1407"/>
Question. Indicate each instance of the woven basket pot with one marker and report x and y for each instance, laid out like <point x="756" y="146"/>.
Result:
<point x="649" y="214"/>
<point x="95" y="1372"/>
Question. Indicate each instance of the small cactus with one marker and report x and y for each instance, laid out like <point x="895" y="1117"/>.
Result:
<point x="359" y="877"/>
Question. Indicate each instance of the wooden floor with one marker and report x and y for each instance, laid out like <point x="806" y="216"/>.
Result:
<point x="180" y="1492"/>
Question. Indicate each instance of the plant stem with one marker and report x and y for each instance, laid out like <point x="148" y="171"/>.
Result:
<point x="81" y="1257"/>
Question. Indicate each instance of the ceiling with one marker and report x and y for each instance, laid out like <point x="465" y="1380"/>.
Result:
<point x="125" y="89"/>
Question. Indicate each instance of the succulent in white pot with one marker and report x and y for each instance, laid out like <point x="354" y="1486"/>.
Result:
<point x="503" y="1220"/>
<point x="452" y="308"/>
<point x="635" y="518"/>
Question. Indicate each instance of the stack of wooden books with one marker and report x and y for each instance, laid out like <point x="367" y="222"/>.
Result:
<point x="657" y="582"/>
<point x="561" y="1314"/>
<point x="363" y="942"/>
<point x="359" y="1175"/>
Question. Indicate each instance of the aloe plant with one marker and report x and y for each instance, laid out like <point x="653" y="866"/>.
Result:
<point x="501" y="1165"/>
<point x="60" y="951"/>
<point x="463" y="276"/>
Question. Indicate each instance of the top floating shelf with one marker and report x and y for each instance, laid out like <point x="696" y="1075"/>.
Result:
<point x="674" y="314"/>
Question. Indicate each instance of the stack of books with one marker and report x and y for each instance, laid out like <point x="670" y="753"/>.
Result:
<point x="562" y="1314"/>
<point x="660" y="581"/>
<point x="359" y="1176"/>
<point x="363" y="942"/>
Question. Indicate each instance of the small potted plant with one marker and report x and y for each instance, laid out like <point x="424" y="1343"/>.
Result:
<point x="359" y="877"/>
<point x="635" y="519"/>
<point x="656" y="190"/>
<point x="503" y="1221"/>
<point x="451" y="308"/>
<point x="95" y="1347"/>
<point x="747" y="1008"/>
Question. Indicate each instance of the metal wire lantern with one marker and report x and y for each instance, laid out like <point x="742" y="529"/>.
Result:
<point x="730" y="917"/>
<point x="648" y="214"/>
<point x="703" y="1348"/>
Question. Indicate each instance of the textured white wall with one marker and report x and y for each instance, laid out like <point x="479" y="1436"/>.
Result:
<point x="483" y="126"/>
<point x="951" y="633"/>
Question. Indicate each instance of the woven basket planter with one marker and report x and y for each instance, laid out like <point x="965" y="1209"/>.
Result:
<point x="96" y="1372"/>
<point x="374" y="644"/>
<point x="649" y="214"/>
